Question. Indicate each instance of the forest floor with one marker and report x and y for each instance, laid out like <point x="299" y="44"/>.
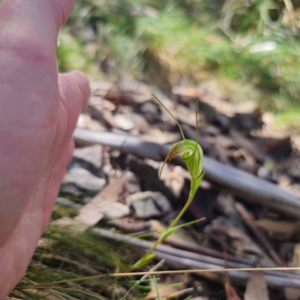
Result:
<point x="113" y="205"/>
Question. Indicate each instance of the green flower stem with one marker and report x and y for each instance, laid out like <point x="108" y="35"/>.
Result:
<point x="187" y="204"/>
<point x="166" y="233"/>
<point x="192" y="155"/>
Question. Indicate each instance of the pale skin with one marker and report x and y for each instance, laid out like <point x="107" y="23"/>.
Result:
<point x="38" y="112"/>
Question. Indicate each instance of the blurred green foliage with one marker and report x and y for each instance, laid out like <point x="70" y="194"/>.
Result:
<point x="250" y="45"/>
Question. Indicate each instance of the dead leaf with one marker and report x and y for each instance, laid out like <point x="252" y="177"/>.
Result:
<point x="159" y="136"/>
<point x="235" y="238"/>
<point x="180" y="235"/>
<point x="246" y="144"/>
<point x="163" y="291"/>
<point x="283" y="227"/>
<point x="256" y="287"/>
<point x="93" y="212"/>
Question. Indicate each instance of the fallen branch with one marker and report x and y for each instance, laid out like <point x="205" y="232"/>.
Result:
<point x="238" y="182"/>
<point x="192" y="260"/>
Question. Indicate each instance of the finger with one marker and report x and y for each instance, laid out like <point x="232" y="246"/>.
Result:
<point x="58" y="172"/>
<point x="74" y="94"/>
<point x="34" y="20"/>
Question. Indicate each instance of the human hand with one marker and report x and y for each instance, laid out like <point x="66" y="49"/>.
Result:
<point x="38" y="113"/>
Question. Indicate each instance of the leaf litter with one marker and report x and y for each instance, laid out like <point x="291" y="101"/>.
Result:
<point x="229" y="135"/>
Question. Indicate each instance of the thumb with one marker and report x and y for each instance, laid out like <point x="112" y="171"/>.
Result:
<point x="35" y="21"/>
<point x="74" y="94"/>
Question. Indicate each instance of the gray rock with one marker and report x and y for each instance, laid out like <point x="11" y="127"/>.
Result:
<point x="71" y="189"/>
<point x="92" y="155"/>
<point x="84" y="179"/>
<point x="124" y="122"/>
<point x="149" y="204"/>
<point x="68" y="203"/>
<point x="116" y="210"/>
<point x="132" y="182"/>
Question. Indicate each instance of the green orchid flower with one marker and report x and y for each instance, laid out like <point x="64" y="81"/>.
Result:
<point x="192" y="155"/>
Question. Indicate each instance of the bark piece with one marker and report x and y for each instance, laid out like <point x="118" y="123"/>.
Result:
<point x="278" y="226"/>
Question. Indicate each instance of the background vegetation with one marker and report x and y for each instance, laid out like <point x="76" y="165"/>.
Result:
<point x="249" y="48"/>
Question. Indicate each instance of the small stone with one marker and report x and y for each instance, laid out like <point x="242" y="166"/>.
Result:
<point x="71" y="189"/>
<point x="149" y="204"/>
<point x="116" y="210"/>
<point x="84" y="179"/>
<point x="267" y="174"/>
<point x="68" y="203"/>
<point x="83" y="120"/>
<point x="86" y="122"/>
<point x="132" y="182"/>
<point x="151" y="111"/>
<point x="92" y="155"/>
<point x="293" y="169"/>
<point x="124" y="122"/>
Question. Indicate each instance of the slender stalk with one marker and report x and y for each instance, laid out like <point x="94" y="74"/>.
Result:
<point x="187" y="204"/>
<point x="143" y="259"/>
<point x="155" y="268"/>
<point x="182" y="134"/>
<point x="161" y="239"/>
<point x="196" y="174"/>
<point x="197" y="127"/>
